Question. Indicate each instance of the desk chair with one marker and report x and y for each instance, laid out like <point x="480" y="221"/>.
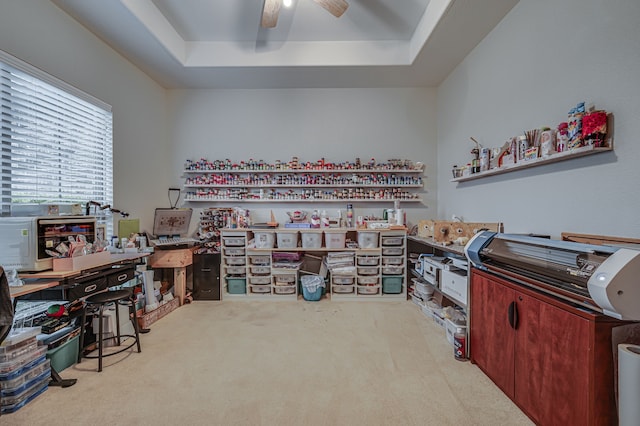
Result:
<point x="101" y="301"/>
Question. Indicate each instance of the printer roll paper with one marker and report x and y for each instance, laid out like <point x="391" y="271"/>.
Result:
<point x="628" y="384"/>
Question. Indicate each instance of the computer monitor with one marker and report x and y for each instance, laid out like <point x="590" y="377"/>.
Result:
<point x="171" y="222"/>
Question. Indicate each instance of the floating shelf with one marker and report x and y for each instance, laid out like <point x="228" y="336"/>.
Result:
<point x="301" y="200"/>
<point x="560" y="156"/>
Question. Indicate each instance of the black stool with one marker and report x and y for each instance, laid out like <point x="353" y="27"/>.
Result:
<point x="102" y="300"/>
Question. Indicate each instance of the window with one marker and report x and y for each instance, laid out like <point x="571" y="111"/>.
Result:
<point x="56" y="143"/>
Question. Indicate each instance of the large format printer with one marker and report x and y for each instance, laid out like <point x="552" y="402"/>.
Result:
<point x="599" y="277"/>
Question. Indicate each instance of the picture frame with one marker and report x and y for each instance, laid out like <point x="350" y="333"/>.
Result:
<point x="101" y="232"/>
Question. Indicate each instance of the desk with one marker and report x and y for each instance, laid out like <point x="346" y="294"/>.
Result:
<point x="25" y="289"/>
<point x="76" y="283"/>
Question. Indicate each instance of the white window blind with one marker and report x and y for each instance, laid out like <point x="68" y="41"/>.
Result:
<point x="56" y="141"/>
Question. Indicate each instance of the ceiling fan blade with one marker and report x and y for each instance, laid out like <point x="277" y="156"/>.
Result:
<point x="335" y="7"/>
<point x="270" y="12"/>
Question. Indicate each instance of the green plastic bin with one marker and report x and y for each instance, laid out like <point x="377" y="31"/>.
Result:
<point x="392" y="284"/>
<point x="64" y="355"/>
<point x="236" y="285"/>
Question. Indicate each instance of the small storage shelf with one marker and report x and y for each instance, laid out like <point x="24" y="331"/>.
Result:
<point x="251" y="273"/>
<point x="554" y="158"/>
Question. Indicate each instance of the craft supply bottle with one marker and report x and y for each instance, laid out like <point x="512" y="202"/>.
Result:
<point x="460" y="346"/>
<point x="349" y="215"/>
<point x="324" y="219"/>
<point x="315" y="219"/>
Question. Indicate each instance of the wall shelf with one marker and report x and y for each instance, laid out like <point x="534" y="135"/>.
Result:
<point x="299" y="200"/>
<point x="224" y="182"/>
<point x="560" y="156"/>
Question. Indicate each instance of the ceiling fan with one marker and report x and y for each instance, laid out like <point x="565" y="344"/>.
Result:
<point x="271" y="9"/>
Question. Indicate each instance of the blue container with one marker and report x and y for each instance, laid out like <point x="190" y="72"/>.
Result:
<point x="312" y="287"/>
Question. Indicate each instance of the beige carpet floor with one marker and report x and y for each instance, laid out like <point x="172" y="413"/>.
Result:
<point x="280" y="363"/>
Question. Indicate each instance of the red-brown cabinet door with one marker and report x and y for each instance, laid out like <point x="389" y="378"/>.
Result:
<point x="551" y="373"/>
<point x="492" y="338"/>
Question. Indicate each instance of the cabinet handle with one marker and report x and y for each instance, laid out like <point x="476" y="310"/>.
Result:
<point x="206" y="269"/>
<point x="513" y="315"/>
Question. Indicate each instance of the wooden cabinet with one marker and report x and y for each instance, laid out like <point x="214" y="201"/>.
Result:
<point x="555" y="361"/>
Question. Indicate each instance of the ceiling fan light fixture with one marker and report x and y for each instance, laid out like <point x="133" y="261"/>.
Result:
<point x="287" y="3"/>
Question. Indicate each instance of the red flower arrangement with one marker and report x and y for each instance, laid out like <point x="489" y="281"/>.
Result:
<point x="594" y="127"/>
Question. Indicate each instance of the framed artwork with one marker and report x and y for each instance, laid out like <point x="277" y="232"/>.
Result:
<point x="101" y="232"/>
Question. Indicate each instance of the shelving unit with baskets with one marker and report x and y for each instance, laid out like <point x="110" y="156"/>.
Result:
<point x="373" y="270"/>
<point x="222" y="181"/>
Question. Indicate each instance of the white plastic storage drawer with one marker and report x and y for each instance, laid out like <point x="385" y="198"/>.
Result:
<point x="453" y="282"/>
<point x="234" y="241"/>
<point x="392" y="240"/>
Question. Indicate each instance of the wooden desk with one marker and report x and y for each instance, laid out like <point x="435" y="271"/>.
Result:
<point x="23" y="290"/>
<point x="115" y="259"/>
<point x="178" y="260"/>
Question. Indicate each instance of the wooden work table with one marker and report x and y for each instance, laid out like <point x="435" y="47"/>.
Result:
<point x="178" y="260"/>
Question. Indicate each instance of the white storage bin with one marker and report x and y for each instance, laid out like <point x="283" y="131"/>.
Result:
<point x="392" y="240"/>
<point x="335" y="240"/>
<point x="260" y="270"/>
<point x="238" y="261"/>
<point x="368" y="280"/>
<point x="260" y="260"/>
<point x="393" y="270"/>
<point x="261" y="280"/>
<point x="454" y="283"/>
<point x="392" y="260"/>
<point x="264" y="239"/>
<point x="311" y="239"/>
<point x="287" y="239"/>
<point x="368" y="270"/>
<point x="234" y="241"/>
<point x="368" y="239"/>
<point x="369" y="289"/>
<point x="236" y="270"/>
<point x="392" y="251"/>
<point x="260" y="288"/>
<point x="342" y="279"/>
<point x="284" y="279"/>
<point x="284" y="289"/>
<point x="368" y="260"/>
<point x="233" y="251"/>
<point x="342" y="289"/>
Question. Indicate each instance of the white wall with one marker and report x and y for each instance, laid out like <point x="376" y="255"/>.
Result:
<point x="37" y="32"/>
<point x="541" y="60"/>
<point x="337" y="124"/>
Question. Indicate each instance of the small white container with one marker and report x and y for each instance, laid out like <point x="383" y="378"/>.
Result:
<point x="287" y="239"/>
<point x="264" y="239"/>
<point x="335" y="239"/>
<point x="311" y="239"/>
<point x="368" y="239"/>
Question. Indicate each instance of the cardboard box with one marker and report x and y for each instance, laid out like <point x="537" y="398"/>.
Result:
<point x="81" y="262"/>
<point x="148" y="318"/>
